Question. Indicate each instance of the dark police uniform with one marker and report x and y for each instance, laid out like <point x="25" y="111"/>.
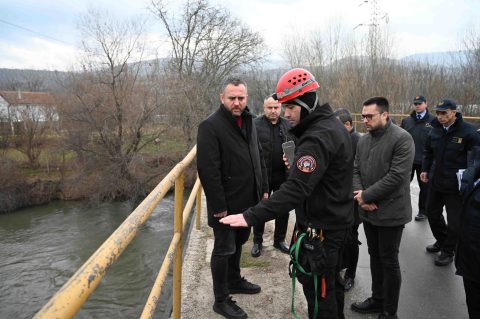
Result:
<point x="419" y="130"/>
<point x="319" y="189"/>
<point x="467" y="259"/>
<point x="445" y="153"/>
<point x="271" y="136"/>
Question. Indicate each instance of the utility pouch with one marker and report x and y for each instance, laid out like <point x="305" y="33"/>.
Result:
<point x="313" y="256"/>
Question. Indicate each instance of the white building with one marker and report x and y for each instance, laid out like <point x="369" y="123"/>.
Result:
<point x="17" y="107"/>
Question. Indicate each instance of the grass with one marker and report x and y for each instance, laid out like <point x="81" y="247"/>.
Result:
<point x="47" y="156"/>
<point x="247" y="261"/>
<point x="170" y="143"/>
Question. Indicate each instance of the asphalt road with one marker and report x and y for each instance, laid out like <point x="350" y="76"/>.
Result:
<point x="428" y="291"/>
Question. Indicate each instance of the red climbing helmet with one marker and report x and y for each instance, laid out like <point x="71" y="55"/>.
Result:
<point x="295" y="83"/>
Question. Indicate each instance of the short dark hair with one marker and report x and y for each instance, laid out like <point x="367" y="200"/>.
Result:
<point x="380" y="101"/>
<point x="343" y="115"/>
<point x="234" y="81"/>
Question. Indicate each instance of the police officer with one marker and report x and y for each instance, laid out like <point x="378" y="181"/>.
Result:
<point x="272" y="131"/>
<point x="467" y="259"/>
<point x="446" y="151"/>
<point x="318" y="188"/>
<point x="419" y="124"/>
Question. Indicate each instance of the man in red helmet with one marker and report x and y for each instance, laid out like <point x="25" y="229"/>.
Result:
<point x="318" y="188"/>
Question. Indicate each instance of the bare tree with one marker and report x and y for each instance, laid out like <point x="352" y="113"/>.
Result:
<point x="469" y="77"/>
<point x="24" y="80"/>
<point x="207" y="45"/>
<point x="34" y="124"/>
<point x="110" y="108"/>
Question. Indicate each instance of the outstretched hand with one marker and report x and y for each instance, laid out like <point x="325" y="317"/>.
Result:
<point x="234" y="220"/>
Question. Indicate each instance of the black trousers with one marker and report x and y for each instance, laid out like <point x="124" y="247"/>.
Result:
<point x="351" y="252"/>
<point x="422" y="196"/>
<point x="281" y="223"/>
<point x="472" y="292"/>
<point x="332" y="306"/>
<point x="445" y="235"/>
<point x="383" y="246"/>
<point x="225" y="260"/>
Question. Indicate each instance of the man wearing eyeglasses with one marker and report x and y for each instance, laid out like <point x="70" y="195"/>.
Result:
<point x="446" y="152"/>
<point x="418" y="124"/>
<point x="381" y="184"/>
<point x="233" y="176"/>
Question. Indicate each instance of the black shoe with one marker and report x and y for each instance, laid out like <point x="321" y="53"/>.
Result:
<point x="444" y="259"/>
<point x="244" y="287"/>
<point x="349" y="283"/>
<point x="370" y="305"/>
<point x="229" y="309"/>
<point x="420" y="217"/>
<point x="435" y="248"/>
<point x="256" y="249"/>
<point x="386" y="315"/>
<point x="282" y="246"/>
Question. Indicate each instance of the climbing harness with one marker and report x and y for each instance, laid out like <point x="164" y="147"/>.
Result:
<point x="301" y="240"/>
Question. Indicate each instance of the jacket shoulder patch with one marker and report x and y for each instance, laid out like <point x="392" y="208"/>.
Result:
<point x="306" y="164"/>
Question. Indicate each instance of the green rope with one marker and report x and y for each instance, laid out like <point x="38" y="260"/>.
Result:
<point x="294" y="254"/>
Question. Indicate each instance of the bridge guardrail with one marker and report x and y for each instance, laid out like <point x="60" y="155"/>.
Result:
<point x="75" y="292"/>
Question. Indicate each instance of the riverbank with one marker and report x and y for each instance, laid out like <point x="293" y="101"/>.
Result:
<point x="18" y="191"/>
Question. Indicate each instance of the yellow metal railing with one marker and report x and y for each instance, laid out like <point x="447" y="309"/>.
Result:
<point x="71" y="297"/>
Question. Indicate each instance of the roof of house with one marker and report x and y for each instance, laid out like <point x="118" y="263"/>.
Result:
<point x="30" y="98"/>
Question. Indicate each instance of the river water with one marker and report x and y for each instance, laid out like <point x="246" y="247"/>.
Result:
<point x="42" y="247"/>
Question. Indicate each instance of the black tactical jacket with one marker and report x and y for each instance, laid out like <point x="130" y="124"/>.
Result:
<point x="319" y="185"/>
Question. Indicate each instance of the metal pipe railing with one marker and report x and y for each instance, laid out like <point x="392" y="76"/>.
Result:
<point x="70" y="298"/>
<point x="156" y="291"/>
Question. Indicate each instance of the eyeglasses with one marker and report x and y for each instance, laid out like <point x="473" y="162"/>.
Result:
<point x="368" y="117"/>
<point x="417" y="103"/>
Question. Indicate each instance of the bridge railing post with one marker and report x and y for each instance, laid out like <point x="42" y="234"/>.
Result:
<point x="198" y="211"/>
<point x="178" y="228"/>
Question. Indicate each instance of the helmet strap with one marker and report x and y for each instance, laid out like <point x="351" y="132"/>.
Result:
<point x="309" y="109"/>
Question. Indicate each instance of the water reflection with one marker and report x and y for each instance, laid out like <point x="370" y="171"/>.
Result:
<point x="41" y="248"/>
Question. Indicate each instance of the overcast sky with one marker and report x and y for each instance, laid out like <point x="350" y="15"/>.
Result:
<point x="42" y="34"/>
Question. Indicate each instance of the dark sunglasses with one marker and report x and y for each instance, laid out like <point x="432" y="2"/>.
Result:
<point x="417" y="103"/>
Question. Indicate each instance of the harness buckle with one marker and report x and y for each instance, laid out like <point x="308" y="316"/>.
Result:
<point x="313" y="233"/>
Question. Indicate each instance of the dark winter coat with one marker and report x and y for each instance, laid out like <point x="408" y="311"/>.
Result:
<point x="467" y="257"/>
<point x="382" y="168"/>
<point x="265" y="132"/>
<point x="355" y="137"/>
<point x="229" y="164"/>
<point x="419" y="130"/>
<point x="447" y="152"/>
<point x="319" y="184"/>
